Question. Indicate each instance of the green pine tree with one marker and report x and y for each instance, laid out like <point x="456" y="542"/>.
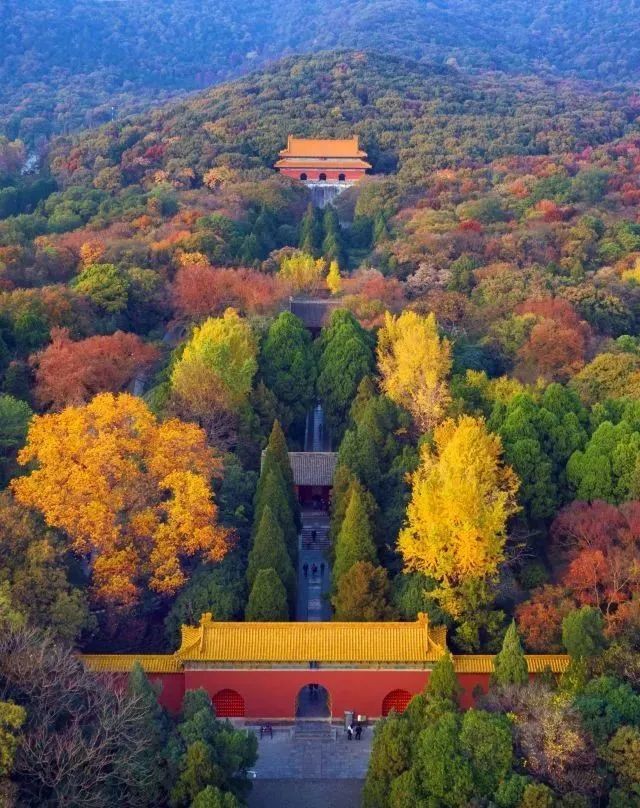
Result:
<point x="344" y="484"/>
<point x="355" y="539"/>
<point x="510" y="665"/>
<point x="443" y="682"/>
<point x="345" y="357"/>
<point x="268" y="598"/>
<point x="288" y="367"/>
<point x="212" y="797"/>
<point x="333" y="243"/>
<point x="277" y="451"/>
<point x="269" y="552"/>
<point x="311" y="232"/>
<point x="272" y="491"/>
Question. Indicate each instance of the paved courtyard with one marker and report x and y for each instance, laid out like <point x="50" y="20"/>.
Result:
<point x="317" y="794"/>
<point x="287" y="757"/>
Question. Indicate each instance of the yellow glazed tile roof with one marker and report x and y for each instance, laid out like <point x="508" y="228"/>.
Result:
<point x="483" y="663"/>
<point x="122" y="663"/>
<point x="322" y="147"/>
<point x="340" y="643"/>
<point x="214" y="641"/>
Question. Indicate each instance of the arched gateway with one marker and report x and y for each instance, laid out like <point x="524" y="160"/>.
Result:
<point x="313" y="701"/>
<point x="257" y="671"/>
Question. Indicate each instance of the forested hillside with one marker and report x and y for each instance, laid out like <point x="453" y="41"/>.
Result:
<point x="480" y="377"/>
<point x="75" y="63"/>
<point x="410" y="118"/>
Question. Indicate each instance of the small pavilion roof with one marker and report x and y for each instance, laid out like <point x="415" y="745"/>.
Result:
<point x="314" y="312"/>
<point x="322" y="147"/>
<point x="313" y="468"/>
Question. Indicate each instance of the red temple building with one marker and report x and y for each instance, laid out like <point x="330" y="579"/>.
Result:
<point x="317" y="160"/>
<point x="262" y="671"/>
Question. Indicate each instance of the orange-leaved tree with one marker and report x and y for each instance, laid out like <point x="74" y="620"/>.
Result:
<point x="132" y="494"/>
<point x="462" y="497"/>
<point x="414" y="363"/>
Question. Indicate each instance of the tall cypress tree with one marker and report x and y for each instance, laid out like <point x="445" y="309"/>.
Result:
<point x="269" y="552"/>
<point x="288" y="367"/>
<point x="277" y="451"/>
<point x="443" y="682"/>
<point x="311" y="232"/>
<point x="268" y="598"/>
<point x="333" y="242"/>
<point x="346" y="356"/>
<point x="272" y="491"/>
<point x="510" y="665"/>
<point x="355" y="539"/>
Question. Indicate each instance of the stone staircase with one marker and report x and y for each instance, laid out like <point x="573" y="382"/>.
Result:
<point x="314" y="731"/>
<point x="319" y="523"/>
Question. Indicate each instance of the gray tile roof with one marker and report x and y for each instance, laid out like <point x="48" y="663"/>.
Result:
<point x="313" y="313"/>
<point x="313" y="468"/>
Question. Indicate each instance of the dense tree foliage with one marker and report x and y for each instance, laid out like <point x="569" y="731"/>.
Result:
<point x="85" y="65"/>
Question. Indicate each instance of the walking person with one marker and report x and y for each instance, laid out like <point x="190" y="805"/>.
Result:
<point x="350" y="732"/>
<point x="358" y="731"/>
<point x="314" y="570"/>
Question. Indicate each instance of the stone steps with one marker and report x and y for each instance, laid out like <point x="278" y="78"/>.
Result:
<point x="314" y="731"/>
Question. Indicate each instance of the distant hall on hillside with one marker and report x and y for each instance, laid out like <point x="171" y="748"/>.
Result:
<point x="323" y="160"/>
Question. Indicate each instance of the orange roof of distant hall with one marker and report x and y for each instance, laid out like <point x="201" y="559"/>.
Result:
<point x="322" y="147"/>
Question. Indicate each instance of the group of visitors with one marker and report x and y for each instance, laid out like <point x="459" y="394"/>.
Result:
<point x="354" y="730"/>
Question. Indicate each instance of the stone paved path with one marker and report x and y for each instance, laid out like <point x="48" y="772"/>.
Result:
<point x="317" y="794"/>
<point x="312" y="590"/>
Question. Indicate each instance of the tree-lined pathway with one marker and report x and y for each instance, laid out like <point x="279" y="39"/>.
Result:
<point x="313" y="590"/>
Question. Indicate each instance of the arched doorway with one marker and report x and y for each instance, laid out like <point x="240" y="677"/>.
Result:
<point x="313" y="701"/>
<point x="341" y="178"/>
<point x="303" y="176"/>
<point x="228" y="704"/>
<point x="396" y="700"/>
<point x="322" y="177"/>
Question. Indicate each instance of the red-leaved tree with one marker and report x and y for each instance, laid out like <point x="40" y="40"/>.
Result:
<point x="557" y="344"/>
<point x="200" y="291"/>
<point x="69" y="372"/>
<point x="598" y="547"/>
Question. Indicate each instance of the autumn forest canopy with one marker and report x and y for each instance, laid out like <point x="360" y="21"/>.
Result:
<point x="479" y="375"/>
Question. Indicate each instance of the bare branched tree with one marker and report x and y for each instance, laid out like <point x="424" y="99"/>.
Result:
<point x="84" y="743"/>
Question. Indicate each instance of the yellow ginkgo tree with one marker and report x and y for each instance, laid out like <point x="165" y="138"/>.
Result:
<point x="414" y="364"/>
<point x="132" y="494"/>
<point x="462" y="497"/>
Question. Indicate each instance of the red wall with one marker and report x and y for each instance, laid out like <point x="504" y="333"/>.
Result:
<point x="172" y="689"/>
<point x="272" y="693"/>
<point x="313" y="174"/>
